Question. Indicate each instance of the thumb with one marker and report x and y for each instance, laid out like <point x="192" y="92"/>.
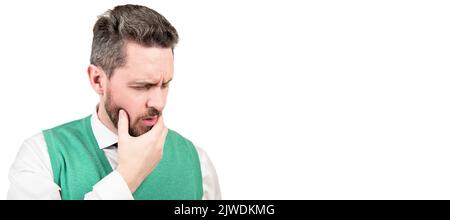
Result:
<point x="122" y="125"/>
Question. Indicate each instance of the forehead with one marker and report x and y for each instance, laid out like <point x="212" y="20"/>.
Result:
<point x="146" y="63"/>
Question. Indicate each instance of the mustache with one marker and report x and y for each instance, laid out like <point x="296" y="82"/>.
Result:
<point x="152" y="112"/>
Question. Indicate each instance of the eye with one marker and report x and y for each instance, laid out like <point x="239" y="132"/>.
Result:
<point x="139" y="87"/>
<point x="165" y="85"/>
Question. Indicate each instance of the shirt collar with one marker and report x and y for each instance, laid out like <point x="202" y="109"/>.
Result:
<point x="103" y="135"/>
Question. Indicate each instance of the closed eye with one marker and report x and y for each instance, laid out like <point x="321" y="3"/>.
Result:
<point x="139" y="87"/>
<point x="165" y="85"/>
<point x="147" y="86"/>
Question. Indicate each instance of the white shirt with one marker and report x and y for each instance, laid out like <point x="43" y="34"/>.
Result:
<point x="31" y="175"/>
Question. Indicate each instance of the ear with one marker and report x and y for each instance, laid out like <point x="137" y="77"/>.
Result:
<point x="97" y="78"/>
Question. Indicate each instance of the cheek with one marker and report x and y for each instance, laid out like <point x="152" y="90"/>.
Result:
<point x="134" y="105"/>
<point x="128" y="101"/>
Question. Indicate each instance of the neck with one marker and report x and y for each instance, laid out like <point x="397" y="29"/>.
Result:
<point x="104" y="118"/>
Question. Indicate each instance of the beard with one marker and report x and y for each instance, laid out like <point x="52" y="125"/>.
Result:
<point x="134" y="129"/>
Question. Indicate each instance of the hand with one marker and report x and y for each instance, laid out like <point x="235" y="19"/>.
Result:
<point x="138" y="156"/>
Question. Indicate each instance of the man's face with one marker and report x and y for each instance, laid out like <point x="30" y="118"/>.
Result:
<point x="140" y="87"/>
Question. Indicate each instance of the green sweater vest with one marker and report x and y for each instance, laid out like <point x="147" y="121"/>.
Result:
<point x="78" y="164"/>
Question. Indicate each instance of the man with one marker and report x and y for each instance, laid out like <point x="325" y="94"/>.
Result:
<point x="123" y="150"/>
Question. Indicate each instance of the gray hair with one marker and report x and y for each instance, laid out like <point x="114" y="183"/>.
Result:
<point x="124" y="23"/>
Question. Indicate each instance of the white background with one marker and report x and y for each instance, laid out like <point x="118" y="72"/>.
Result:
<point x="291" y="99"/>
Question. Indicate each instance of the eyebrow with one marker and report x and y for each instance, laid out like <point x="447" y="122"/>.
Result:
<point x="168" y="81"/>
<point x="143" y="82"/>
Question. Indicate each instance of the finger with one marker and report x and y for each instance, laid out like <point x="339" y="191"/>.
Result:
<point x="162" y="136"/>
<point x="162" y="139"/>
<point x="157" y="129"/>
<point x="122" y="125"/>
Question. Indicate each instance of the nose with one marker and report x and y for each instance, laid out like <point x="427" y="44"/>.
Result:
<point x="156" y="98"/>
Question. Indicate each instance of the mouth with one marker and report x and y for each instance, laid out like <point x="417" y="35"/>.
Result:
<point x="150" y="121"/>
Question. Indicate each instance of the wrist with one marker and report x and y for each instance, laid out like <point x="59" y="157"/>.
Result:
<point x="130" y="179"/>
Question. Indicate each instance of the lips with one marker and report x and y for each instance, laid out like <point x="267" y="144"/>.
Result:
<point x="150" y="121"/>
